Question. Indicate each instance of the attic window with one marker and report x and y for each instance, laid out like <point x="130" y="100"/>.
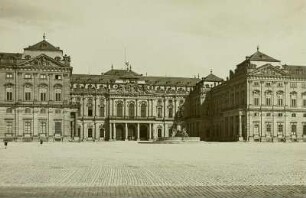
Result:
<point x="58" y="77"/>
<point x="27" y="57"/>
<point x="57" y="58"/>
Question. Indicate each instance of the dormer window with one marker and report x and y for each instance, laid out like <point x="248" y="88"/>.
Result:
<point x="58" y="77"/>
<point x="27" y="57"/>
<point x="57" y="58"/>
<point x="27" y="76"/>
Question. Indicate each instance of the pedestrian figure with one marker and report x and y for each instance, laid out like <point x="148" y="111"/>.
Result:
<point x="41" y="141"/>
<point x="5" y="144"/>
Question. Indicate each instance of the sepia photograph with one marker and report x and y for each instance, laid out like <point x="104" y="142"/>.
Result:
<point x="152" y="98"/>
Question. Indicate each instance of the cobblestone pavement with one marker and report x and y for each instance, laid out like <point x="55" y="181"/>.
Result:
<point x="155" y="191"/>
<point x="128" y="169"/>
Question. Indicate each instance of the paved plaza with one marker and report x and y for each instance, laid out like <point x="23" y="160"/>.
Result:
<point x="130" y="169"/>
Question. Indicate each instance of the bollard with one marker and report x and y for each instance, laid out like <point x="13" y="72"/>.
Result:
<point x="41" y="141"/>
<point x="5" y="144"/>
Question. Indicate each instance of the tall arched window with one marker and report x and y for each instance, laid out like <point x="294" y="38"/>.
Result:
<point x="102" y="111"/>
<point x="58" y="94"/>
<point x="43" y="93"/>
<point x="170" y="111"/>
<point x="143" y="110"/>
<point x="119" y="109"/>
<point x="131" y="110"/>
<point x="159" y="112"/>
<point x="9" y="92"/>
<point x="27" y="92"/>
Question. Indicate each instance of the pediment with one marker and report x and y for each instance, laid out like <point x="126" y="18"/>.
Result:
<point x="42" y="61"/>
<point x="268" y="70"/>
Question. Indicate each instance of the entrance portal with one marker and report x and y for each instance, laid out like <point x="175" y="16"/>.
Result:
<point x="132" y="132"/>
<point x="119" y="132"/>
<point x="143" y="132"/>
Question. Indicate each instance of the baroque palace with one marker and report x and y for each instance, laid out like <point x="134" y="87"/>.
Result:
<point x="40" y="98"/>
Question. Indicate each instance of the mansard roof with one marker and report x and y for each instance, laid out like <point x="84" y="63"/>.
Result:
<point x="212" y="78"/>
<point x="43" y="46"/>
<point x="121" y="73"/>
<point x="297" y="71"/>
<point x="259" y="56"/>
<point x="153" y="80"/>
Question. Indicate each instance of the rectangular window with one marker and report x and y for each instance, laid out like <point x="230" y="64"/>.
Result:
<point x="159" y="112"/>
<point x="58" y="128"/>
<point x="57" y="96"/>
<point x="256" y="101"/>
<point x="43" y="96"/>
<point x="27" y="96"/>
<point x="9" y="127"/>
<point x="89" y="111"/>
<point x="268" y="84"/>
<point x="304" y="103"/>
<point x="268" y="101"/>
<point x="268" y="128"/>
<point x="280" y="115"/>
<point x="280" y="128"/>
<point x="304" y="129"/>
<point x="43" y="127"/>
<point x="293" y="129"/>
<point x="43" y="76"/>
<point x="9" y="96"/>
<point x="170" y="112"/>
<point x="27" y="127"/>
<point x="293" y="102"/>
<point x="256" y="84"/>
<point x="27" y="76"/>
<point x="293" y="85"/>
<point x="9" y="76"/>
<point x="280" y="84"/>
<point x="102" y="112"/>
<point x="58" y="77"/>
<point x="280" y="102"/>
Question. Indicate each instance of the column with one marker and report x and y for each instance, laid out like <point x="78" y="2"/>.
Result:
<point x="126" y="132"/>
<point x="110" y="132"/>
<point x="114" y="131"/>
<point x="240" y="128"/>
<point x="138" y="132"/>
<point x="150" y="131"/>
<point x="136" y="114"/>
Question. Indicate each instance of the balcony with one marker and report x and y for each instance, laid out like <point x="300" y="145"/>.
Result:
<point x="131" y="118"/>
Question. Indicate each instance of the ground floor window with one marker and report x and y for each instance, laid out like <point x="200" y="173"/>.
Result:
<point x="293" y="128"/>
<point x="9" y="127"/>
<point x="304" y="129"/>
<point x="27" y="127"/>
<point x="268" y="129"/>
<point x="280" y="128"/>
<point x="58" y="128"/>
<point x="43" y="127"/>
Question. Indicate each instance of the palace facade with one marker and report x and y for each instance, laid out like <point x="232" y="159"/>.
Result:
<point x="262" y="100"/>
<point x="40" y="98"/>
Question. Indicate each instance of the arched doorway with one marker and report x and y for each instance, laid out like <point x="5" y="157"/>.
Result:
<point x="132" y="132"/>
<point x="143" y="132"/>
<point x="89" y="133"/>
<point x="119" y="132"/>
<point x="159" y="131"/>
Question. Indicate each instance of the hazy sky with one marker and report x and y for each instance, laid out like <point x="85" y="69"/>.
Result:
<point x="162" y="37"/>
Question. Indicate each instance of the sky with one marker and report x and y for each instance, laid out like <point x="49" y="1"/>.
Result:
<point x="158" y="37"/>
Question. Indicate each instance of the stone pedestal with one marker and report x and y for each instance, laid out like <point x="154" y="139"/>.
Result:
<point x="251" y="139"/>
<point x="241" y="139"/>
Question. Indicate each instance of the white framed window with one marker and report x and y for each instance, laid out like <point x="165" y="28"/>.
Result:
<point x="9" y="76"/>
<point x="27" y="76"/>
